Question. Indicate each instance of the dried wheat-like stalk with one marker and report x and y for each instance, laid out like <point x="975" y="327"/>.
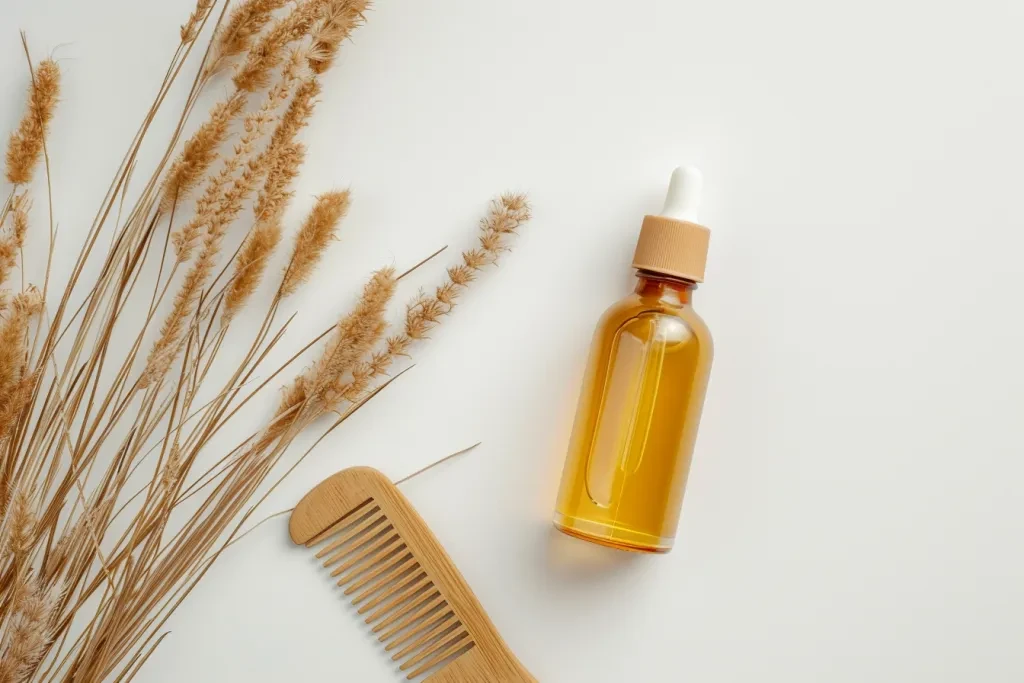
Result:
<point x="29" y="634"/>
<point x="298" y="114"/>
<point x="265" y="55"/>
<point x="199" y="153"/>
<point x="12" y="240"/>
<point x="314" y="391"/>
<point x="316" y="233"/>
<point x="190" y="29"/>
<point x="19" y="527"/>
<point x="13" y="331"/>
<point x="354" y="336"/>
<point x="216" y="210"/>
<point x="26" y="143"/>
<point x="246" y="22"/>
<point x="341" y="18"/>
<point x="261" y="242"/>
<point x="283" y="168"/>
<point x="14" y="400"/>
<point x="222" y="198"/>
<point x="507" y="213"/>
<point x="250" y="264"/>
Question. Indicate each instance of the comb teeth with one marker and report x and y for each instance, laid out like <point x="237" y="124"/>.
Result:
<point x="387" y="584"/>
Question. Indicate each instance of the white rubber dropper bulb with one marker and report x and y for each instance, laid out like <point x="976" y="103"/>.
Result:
<point x="683" y="199"/>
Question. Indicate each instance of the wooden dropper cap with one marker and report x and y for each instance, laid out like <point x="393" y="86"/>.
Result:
<point x="673" y="243"/>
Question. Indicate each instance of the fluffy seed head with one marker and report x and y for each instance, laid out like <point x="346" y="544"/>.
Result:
<point x="26" y="143"/>
<point x="12" y="240"/>
<point x="326" y="382"/>
<point x="14" y="402"/>
<point x="244" y="23"/>
<point x="316" y="233"/>
<point x="190" y="29"/>
<point x="341" y="17"/>
<point x="13" y="332"/>
<point x="298" y="114"/>
<point x="20" y="526"/>
<point x="200" y="152"/>
<point x="254" y="73"/>
<point x="426" y="311"/>
<point x="250" y="264"/>
<point x="30" y="630"/>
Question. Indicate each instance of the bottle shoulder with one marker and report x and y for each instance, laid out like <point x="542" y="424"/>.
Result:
<point x="634" y="305"/>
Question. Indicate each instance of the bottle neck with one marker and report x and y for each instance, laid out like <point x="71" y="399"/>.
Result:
<point x="664" y="288"/>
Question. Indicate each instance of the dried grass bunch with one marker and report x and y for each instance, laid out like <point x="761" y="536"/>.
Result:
<point x="100" y="449"/>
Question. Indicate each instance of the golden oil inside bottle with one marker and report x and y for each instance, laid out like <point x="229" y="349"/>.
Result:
<point x="637" y="419"/>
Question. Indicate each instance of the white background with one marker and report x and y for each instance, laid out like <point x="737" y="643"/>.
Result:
<point x="853" y="512"/>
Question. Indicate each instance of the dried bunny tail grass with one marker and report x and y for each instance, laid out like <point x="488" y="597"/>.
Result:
<point x="283" y="167"/>
<point x="12" y="241"/>
<point x="165" y="348"/>
<point x="341" y="18"/>
<point x="298" y="113"/>
<point x="266" y="54"/>
<point x="200" y="152"/>
<point x="293" y="399"/>
<point x="426" y="311"/>
<point x="190" y="29"/>
<point x="294" y="70"/>
<point x="250" y="265"/>
<point x="19" y="218"/>
<point x="251" y="262"/>
<point x="356" y="334"/>
<point x="184" y="239"/>
<point x="315" y="234"/>
<point x="26" y="143"/>
<point x="222" y="199"/>
<point x="217" y="215"/>
<point x="20" y="526"/>
<point x="13" y="331"/>
<point x="29" y="633"/>
<point x="14" y="402"/>
<point x="320" y="387"/>
<point x="244" y="23"/>
<point x="507" y="213"/>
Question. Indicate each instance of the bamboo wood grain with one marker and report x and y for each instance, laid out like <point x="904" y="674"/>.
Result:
<point x="416" y="597"/>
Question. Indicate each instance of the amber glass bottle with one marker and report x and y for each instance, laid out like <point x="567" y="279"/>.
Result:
<point x="643" y="392"/>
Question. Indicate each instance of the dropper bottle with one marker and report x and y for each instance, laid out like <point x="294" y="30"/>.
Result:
<point x="636" y="421"/>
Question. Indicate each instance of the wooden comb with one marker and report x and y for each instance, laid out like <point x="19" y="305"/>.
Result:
<point x="402" y="579"/>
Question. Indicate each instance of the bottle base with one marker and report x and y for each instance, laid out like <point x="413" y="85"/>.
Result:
<point x="611" y="536"/>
